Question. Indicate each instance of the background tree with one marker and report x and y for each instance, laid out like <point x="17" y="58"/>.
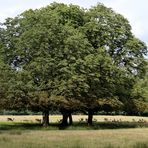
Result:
<point x="140" y="94"/>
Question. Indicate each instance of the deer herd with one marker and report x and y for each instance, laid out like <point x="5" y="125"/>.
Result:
<point x="84" y="120"/>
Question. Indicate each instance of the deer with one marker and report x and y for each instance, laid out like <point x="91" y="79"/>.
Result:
<point x="10" y="119"/>
<point x="81" y="120"/>
<point x="38" y="120"/>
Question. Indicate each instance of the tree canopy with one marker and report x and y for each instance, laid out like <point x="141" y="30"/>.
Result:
<point x="72" y="59"/>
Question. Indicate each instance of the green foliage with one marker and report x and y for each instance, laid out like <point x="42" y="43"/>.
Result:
<point x="135" y="107"/>
<point x="63" y="56"/>
<point x="140" y="89"/>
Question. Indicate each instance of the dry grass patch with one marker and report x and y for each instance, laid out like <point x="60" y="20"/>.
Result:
<point x="76" y="118"/>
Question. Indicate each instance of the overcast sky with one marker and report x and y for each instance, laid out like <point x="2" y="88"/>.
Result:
<point x="136" y="11"/>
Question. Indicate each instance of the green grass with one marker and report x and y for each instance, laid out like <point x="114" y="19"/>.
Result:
<point x="100" y="135"/>
<point x="118" y="138"/>
<point x="6" y="126"/>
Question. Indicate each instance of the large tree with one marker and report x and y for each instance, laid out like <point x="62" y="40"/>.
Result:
<point x="78" y="55"/>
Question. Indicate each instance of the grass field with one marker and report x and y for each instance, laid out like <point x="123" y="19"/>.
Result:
<point x="25" y="132"/>
<point x="120" y="138"/>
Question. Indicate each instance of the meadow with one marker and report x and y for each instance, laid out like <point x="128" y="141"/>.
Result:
<point x="115" y="132"/>
<point x="76" y="118"/>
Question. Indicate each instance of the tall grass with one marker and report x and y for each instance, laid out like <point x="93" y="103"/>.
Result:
<point x="118" y="138"/>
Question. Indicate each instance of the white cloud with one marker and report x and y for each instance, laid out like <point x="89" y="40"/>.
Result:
<point x="134" y="10"/>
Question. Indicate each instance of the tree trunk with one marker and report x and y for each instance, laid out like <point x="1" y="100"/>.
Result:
<point x="90" y="117"/>
<point x="46" y="118"/>
<point x="70" y="119"/>
<point x="65" y="119"/>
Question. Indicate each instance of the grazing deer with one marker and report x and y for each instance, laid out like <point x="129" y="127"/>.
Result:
<point x="141" y="121"/>
<point x="10" y="119"/>
<point x="95" y="120"/>
<point x="59" y="121"/>
<point x="120" y="120"/>
<point x="38" y="120"/>
<point x="105" y="119"/>
<point x="81" y="120"/>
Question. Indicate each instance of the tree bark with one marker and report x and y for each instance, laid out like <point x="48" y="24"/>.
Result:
<point x="70" y="119"/>
<point x="45" y="118"/>
<point x="65" y="119"/>
<point x="90" y="117"/>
